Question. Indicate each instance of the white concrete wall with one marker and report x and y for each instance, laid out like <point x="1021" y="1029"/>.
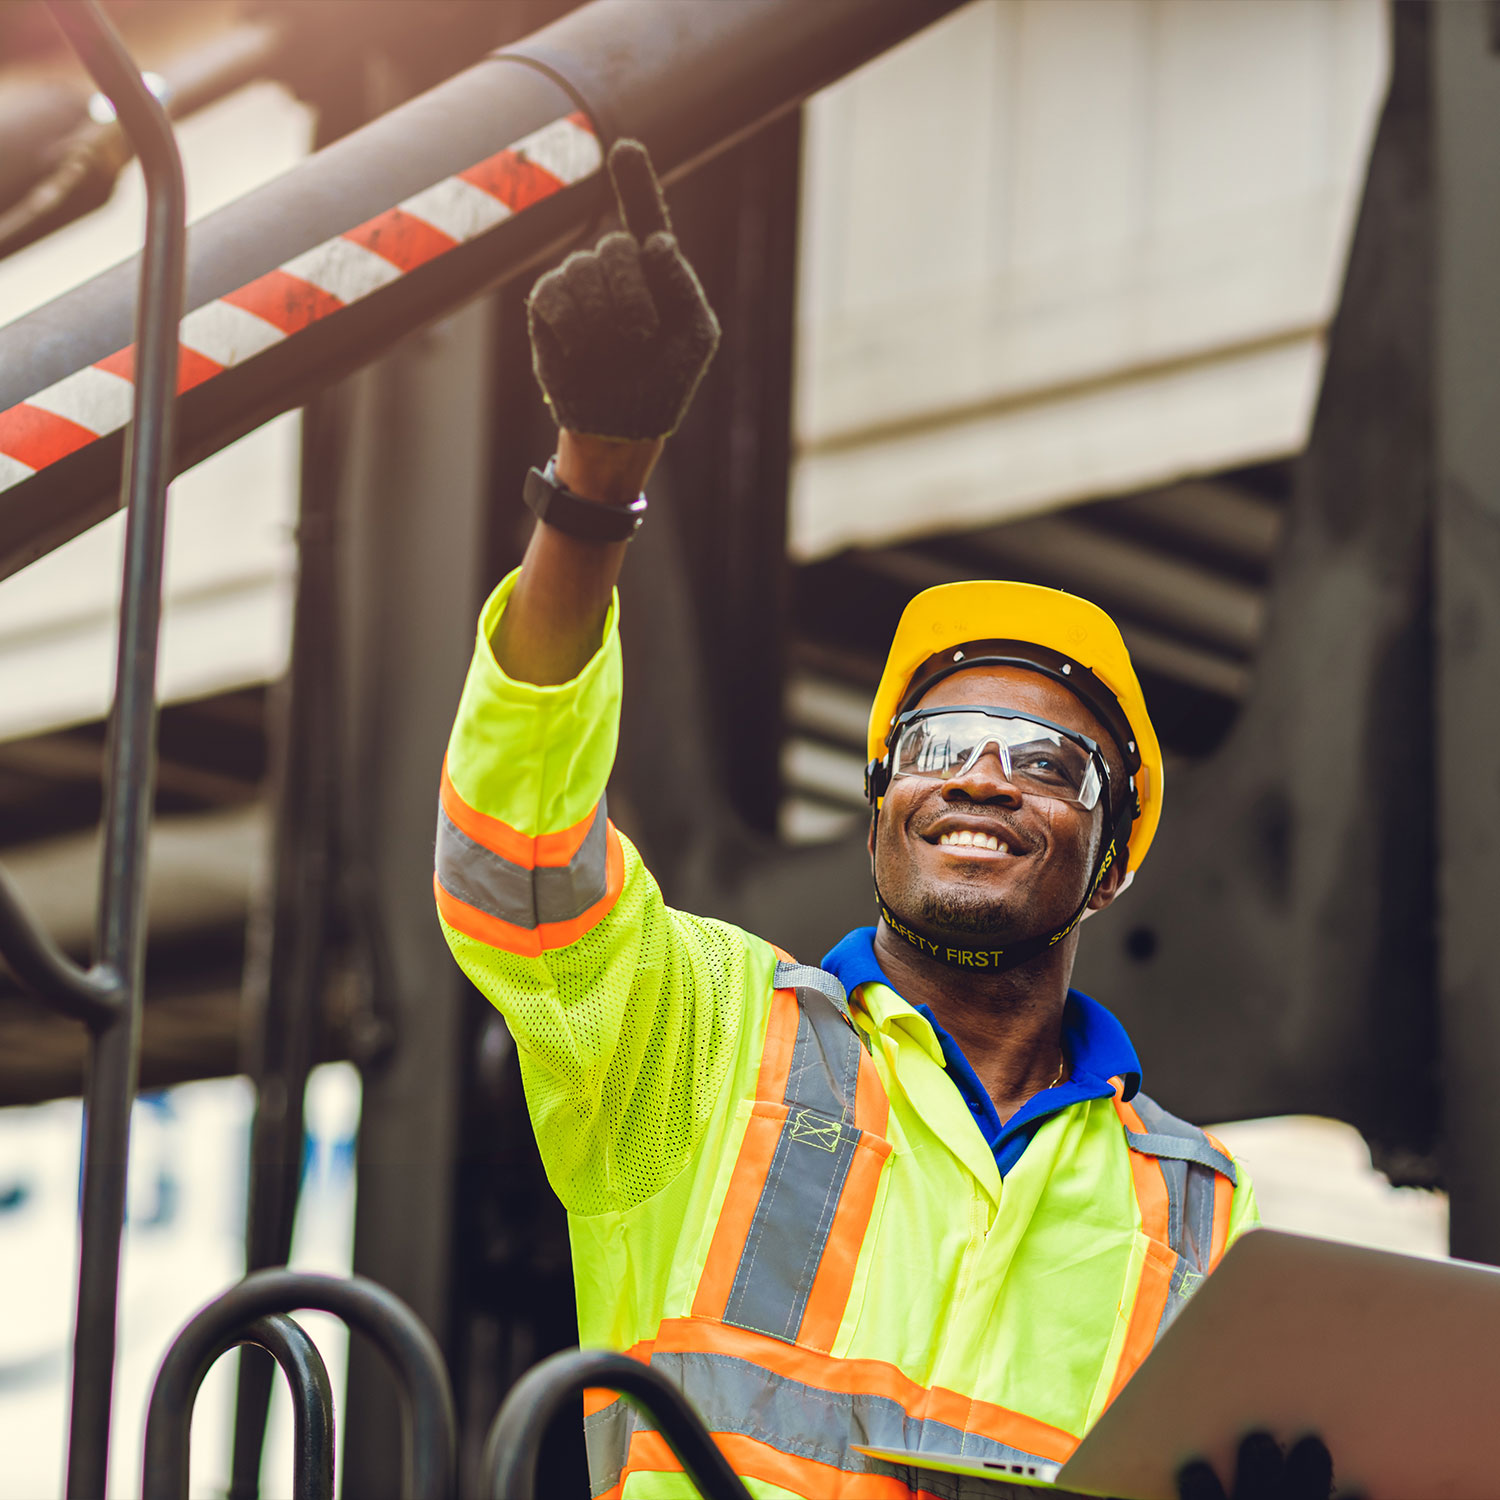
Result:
<point x="1060" y="248"/>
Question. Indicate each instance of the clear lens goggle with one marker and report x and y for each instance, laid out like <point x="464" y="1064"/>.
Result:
<point x="1039" y="758"/>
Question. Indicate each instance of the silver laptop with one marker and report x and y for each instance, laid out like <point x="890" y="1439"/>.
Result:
<point x="1393" y="1359"/>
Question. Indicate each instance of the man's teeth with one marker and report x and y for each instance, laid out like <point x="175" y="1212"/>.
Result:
<point x="976" y="840"/>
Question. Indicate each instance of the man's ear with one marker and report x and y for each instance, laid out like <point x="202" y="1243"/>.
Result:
<point x="1115" y="880"/>
<point x="870" y="838"/>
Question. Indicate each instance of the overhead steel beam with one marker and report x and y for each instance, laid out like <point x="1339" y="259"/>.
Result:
<point x="689" y="77"/>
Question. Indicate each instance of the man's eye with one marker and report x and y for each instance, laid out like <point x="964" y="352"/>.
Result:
<point x="1038" y="763"/>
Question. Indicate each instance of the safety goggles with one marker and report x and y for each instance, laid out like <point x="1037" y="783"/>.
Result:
<point x="1039" y="758"/>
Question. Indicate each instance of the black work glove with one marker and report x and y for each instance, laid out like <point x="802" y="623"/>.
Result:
<point x="621" y="334"/>
<point x="1263" y="1472"/>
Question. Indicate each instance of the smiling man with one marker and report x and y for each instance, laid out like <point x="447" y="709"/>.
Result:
<point x="912" y="1198"/>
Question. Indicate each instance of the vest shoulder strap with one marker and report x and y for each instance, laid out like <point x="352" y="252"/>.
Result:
<point x="810" y="983"/>
<point x="794" y="976"/>
<point x="1176" y="1140"/>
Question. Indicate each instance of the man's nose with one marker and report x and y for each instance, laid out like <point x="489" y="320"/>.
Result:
<point x="984" y="779"/>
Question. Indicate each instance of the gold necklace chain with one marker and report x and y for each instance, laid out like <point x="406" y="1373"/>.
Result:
<point x="1062" y="1068"/>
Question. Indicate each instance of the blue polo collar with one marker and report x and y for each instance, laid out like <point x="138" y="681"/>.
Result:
<point x="1097" y="1047"/>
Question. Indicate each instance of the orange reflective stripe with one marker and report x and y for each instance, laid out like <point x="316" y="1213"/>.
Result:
<point x="751" y="1169"/>
<point x="1145" y="1317"/>
<point x="814" y="1368"/>
<point x="756" y="1460"/>
<point x="776" y="1055"/>
<point x="484" y="928"/>
<point x="531" y="942"/>
<point x="530" y="852"/>
<point x="1223" y="1205"/>
<point x="597" y="1397"/>
<point x="829" y="1296"/>
<point x="872" y="1105"/>
<point x="1156" y="1273"/>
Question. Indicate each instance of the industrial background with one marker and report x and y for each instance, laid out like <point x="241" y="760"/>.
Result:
<point x="1189" y="309"/>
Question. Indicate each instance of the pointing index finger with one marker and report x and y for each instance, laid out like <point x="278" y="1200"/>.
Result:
<point x="643" y="210"/>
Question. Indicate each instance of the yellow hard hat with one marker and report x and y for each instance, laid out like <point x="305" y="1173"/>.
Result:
<point x="1059" y="634"/>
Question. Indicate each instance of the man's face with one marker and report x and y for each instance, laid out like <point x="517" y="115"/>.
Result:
<point x="1037" y="877"/>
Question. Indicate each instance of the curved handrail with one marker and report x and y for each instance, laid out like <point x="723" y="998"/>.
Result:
<point x="46" y="970"/>
<point x="426" y="1400"/>
<point x="514" y="1443"/>
<point x="287" y="1342"/>
<point x="113" y="1013"/>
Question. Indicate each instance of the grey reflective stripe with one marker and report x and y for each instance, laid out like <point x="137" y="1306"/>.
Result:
<point x="1167" y="1136"/>
<point x="1189" y="1163"/>
<point x="804" y="976"/>
<point x="794" y="1213"/>
<point x="1176" y="1149"/>
<point x="1198" y="1215"/>
<point x="606" y="1439"/>
<point x="824" y="1070"/>
<point x="736" y="1396"/>
<point x="524" y="898"/>
<point x="1186" y="1278"/>
<point x="790" y="1229"/>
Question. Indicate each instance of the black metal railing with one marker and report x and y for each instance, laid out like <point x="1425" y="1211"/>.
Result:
<point x="513" y="1448"/>
<point x="176" y="1390"/>
<point x="107" y="997"/>
<point x="429" y="1429"/>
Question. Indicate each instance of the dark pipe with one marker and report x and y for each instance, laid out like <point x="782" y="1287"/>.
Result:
<point x="514" y="1443"/>
<point x="312" y="1401"/>
<point x="428" y="1427"/>
<point x="89" y="159"/>
<point x="130" y="773"/>
<point x="690" y="77"/>
<point x="49" y="973"/>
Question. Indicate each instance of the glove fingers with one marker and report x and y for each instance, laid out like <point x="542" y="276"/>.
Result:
<point x="1309" y="1470"/>
<point x="643" y="209"/>
<point x="1197" y="1481"/>
<point x="680" y="301"/>
<point x="550" y="310"/>
<point x="589" y="290"/>
<point x="1259" y="1468"/>
<point x="635" y="310"/>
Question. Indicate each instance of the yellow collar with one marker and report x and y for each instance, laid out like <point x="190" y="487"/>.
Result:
<point x="889" y="1013"/>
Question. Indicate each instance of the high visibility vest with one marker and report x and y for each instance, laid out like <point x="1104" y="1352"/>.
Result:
<point x="754" y="1355"/>
<point x="802" y="1225"/>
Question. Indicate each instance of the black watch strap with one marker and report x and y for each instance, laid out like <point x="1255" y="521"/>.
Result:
<point x="589" y="520"/>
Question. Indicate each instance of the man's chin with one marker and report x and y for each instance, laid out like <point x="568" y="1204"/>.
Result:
<point x="944" y="918"/>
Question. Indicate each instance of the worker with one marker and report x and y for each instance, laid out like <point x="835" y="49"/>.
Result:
<point x="913" y="1197"/>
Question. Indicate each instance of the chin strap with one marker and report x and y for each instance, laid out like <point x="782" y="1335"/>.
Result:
<point x="974" y="952"/>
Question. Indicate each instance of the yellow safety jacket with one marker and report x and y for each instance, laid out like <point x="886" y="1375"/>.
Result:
<point x="776" y="1194"/>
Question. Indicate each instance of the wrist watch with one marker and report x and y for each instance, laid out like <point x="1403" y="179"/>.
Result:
<point x="589" y="520"/>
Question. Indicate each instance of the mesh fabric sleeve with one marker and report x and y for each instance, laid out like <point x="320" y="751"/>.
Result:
<point x="626" y="1013"/>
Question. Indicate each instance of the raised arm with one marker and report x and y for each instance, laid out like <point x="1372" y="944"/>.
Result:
<point x="620" y="335"/>
<point x="626" y="1012"/>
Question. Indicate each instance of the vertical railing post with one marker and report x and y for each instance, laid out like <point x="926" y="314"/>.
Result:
<point x="130" y="773"/>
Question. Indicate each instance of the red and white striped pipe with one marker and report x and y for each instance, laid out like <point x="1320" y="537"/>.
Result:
<point x="95" y="401"/>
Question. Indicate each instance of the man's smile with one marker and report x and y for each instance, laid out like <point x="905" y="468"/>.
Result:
<point x="967" y="836"/>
